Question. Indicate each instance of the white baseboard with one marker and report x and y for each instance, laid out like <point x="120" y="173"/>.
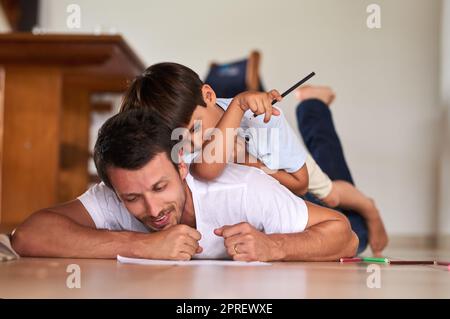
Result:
<point x="420" y="242"/>
<point x="412" y="241"/>
<point x="443" y="242"/>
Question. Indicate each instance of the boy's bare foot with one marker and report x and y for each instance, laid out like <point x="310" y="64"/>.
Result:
<point x="323" y="93"/>
<point x="378" y="238"/>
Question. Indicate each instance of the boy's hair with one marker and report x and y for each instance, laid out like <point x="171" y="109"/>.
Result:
<point x="170" y="89"/>
<point x="130" y="140"/>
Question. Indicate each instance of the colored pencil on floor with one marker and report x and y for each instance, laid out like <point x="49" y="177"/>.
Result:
<point x="393" y="262"/>
<point x="442" y="263"/>
<point x="411" y="262"/>
<point x="375" y="260"/>
<point x="350" y="260"/>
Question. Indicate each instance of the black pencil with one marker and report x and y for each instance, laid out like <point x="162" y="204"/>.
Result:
<point x="296" y="85"/>
<point x="411" y="262"/>
<point x="292" y="88"/>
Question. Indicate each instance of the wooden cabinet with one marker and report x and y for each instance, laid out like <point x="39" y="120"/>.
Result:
<point x="46" y="82"/>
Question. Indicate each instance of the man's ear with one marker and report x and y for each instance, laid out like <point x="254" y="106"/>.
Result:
<point x="182" y="166"/>
<point x="209" y="96"/>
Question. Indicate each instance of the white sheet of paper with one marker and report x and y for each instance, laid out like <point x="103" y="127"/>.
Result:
<point x="194" y="262"/>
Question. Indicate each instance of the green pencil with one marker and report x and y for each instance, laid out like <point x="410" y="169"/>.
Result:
<point x="375" y="260"/>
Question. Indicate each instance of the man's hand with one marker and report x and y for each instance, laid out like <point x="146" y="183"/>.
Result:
<point x="258" y="102"/>
<point x="245" y="243"/>
<point x="179" y="242"/>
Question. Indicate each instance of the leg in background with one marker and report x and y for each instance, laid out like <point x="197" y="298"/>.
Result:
<point x="317" y="129"/>
<point x="320" y="137"/>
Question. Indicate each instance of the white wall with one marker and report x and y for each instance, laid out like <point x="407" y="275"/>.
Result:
<point x="387" y="109"/>
<point x="4" y="25"/>
<point x="444" y="198"/>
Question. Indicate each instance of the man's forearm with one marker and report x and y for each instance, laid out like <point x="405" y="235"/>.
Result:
<point x="48" y="234"/>
<point x="327" y="241"/>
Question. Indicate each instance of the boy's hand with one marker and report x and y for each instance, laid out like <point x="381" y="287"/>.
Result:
<point x="259" y="103"/>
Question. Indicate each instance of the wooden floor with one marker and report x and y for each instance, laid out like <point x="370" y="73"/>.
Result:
<point x="46" y="278"/>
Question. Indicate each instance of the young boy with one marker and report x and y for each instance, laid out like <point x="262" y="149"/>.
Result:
<point x="182" y="100"/>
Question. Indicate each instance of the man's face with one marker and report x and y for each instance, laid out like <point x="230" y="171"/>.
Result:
<point x="154" y="194"/>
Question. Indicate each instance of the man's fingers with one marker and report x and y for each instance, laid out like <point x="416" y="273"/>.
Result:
<point x="218" y="231"/>
<point x="235" y="245"/>
<point x="242" y="257"/>
<point x="184" y="256"/>
<point x="230" y="251"/>
<point x="191" y="242"/>
<point x="194" y="234"/>
<point x="189" y="248"/>
<point x="234" y="240"/>
<point x="233" y="230"/>
<point x="222" y="230"/>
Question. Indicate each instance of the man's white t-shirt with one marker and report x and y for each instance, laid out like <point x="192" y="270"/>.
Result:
<point x="239" y="194"/>
<point x="274" y="143"/>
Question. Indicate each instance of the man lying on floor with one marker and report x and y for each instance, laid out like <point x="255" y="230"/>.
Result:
<point x="149" y="206"/>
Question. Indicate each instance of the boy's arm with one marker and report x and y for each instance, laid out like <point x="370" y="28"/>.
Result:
<point x="223" y="140"/>
<point x="68" y="230"/>
<point x="296" y="182"/>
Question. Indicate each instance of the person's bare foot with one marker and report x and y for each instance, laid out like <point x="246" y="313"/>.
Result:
<point x="323" y="93"/>
<point x="378" y="237"/>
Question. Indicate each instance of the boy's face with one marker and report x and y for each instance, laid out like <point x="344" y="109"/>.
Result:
<point x="203" y="118"/>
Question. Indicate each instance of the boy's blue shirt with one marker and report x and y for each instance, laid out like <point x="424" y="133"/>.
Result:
<point x="273" y="143"/>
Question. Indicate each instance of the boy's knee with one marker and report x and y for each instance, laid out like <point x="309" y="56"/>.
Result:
<point x="332" y="199"/>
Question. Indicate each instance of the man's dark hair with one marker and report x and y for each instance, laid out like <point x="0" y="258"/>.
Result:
<point x="130" y="140"/>
<point x="170" y="89"/>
